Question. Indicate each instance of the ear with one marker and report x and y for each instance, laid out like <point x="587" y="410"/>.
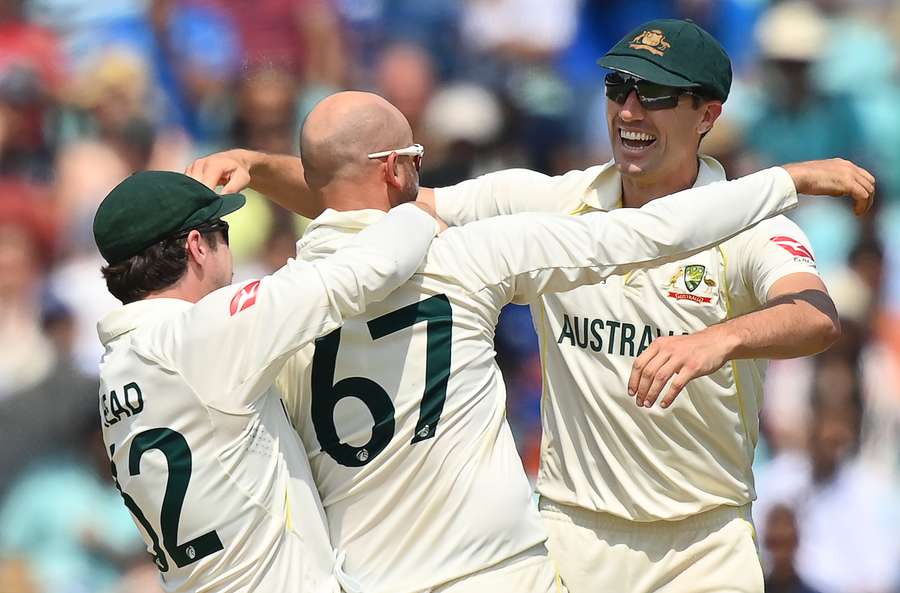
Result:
<point x="197" y="247"/>
<point x="391" y="172"/>
<point x="711" y="112"/>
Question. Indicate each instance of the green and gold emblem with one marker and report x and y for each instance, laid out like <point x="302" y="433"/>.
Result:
<point x="693" y="276"/>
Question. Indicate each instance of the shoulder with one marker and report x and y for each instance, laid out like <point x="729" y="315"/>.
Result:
<point x="775" y="229"/>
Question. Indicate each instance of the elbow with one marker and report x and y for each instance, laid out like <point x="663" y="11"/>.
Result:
<point x="828" y="331"/>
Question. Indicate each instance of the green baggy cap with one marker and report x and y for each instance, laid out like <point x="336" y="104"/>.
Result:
<point x="150" y="206"/>
<point x="674" y="53"/>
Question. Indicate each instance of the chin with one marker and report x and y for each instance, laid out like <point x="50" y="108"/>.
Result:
<point x="630" y="169"/>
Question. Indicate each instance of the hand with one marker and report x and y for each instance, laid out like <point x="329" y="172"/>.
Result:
<point x="682" y="357"/>
<point x="834" y="177"/>
<point x="429" y="210"/>
<point x="230" y="168"/>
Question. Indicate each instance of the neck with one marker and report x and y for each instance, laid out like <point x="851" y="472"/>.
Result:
<point x="637" y="191"/>
<point x="344" y="195"/>
<point x="183" y="290"/>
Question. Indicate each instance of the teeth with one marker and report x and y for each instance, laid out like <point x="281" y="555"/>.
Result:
<point x="632" y="135"/>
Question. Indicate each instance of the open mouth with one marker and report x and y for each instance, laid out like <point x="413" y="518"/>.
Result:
<point x="636" y="141"/>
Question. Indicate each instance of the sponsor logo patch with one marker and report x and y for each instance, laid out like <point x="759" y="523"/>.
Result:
<point x="244" y="298"/>
<point x="794" y="247"/>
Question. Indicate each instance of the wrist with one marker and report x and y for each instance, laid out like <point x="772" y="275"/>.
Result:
<point x="730" y="339"/>
<point x="249" y="159"/>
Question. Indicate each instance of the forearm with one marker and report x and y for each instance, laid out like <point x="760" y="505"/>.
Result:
<point x="791" y="325"/>
<point x="280" y="178"/>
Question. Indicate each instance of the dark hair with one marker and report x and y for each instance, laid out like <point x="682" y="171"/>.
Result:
<point x="155" y="268"/>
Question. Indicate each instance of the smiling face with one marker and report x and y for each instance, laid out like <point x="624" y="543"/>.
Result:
<point x="654" y="145"/>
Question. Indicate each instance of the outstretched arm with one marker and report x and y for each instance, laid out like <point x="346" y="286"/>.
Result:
<point x="280" y="177"/>
<point x="257" y="325"/>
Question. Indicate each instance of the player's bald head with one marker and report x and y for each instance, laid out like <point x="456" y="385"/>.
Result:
<point x="345" y="127"/>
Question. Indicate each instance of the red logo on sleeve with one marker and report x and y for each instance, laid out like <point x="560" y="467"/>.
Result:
<point x="794" y="247"/>
<point x="244" y="298"/>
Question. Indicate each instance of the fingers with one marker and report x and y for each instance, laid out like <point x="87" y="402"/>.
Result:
<point x="202" y="172"/>
<point x="238" y="180"/>
<point x="682" y="377"/>
<point x="660" y="379"/>
<point x="868" y="176"/>
<point x="644" y="372"/>
<point x="214" y="171"/>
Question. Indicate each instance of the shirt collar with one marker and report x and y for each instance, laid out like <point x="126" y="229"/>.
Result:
<point x="133" y="315"/>
<point x="605" y="191"/>
<point x="321" y="234"/>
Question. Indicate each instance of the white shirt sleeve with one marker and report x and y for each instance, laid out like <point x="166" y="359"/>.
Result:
<point x="508" y="192"/>
<point x="231" y="344"/>
<point x="530" y="254"/>
<point x="774" y="249"/>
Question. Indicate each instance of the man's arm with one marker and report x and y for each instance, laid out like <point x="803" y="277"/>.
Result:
<point x="798" y="319"/>
<point x="532" y="254"/>
<point x="773" y="266"/>
<point x="277" y="176"/>
<point x="231" y="344"/>
<point x="280" y="177"/>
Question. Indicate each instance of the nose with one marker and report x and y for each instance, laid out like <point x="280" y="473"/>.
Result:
<point x="632" y="110"/>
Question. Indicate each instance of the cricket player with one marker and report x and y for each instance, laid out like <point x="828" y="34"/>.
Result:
<point x="200" y="446"/>
<point x="638" y="499"/>
<point x="402" y="409"/>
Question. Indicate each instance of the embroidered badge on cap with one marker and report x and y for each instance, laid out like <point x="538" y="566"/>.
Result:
<point x="653" y="41"/>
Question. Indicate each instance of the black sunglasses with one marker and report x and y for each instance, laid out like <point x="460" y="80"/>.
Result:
<point x="207" y="228"/>
<point x="651" y="95"/>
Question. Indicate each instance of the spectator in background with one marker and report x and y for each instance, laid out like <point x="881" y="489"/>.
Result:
<point x="847" y="516"/>
<point x="859" y="62"/>
<point x="266" y="114"/>
<point x="31" y="75"/>
<point x="191" y="52"/>
<point x="303" y="37"/>
<point x="781" y="551"/>
<point x="26" y="250"/>
<point x="515" y="44"/>
<point x="42" y="398"/>
<point x="796" y="120"/>
<point x="462" y="127"/>
<point x="372" y="25"/>
<point x="66" y="520"/>
<point x="405" y="76"/>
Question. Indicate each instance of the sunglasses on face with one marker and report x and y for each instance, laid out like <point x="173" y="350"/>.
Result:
<point x="416" y="151"/>
<point x="651" y="95"/>
<point x="207" y="228"/>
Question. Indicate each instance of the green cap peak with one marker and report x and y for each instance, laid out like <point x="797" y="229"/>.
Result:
<point x="150" y="206"/>
<point x="675" y="53"/>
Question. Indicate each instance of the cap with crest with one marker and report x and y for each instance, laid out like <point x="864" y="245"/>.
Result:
<point x="674" y="53"/>
<point x="150" y="206"/>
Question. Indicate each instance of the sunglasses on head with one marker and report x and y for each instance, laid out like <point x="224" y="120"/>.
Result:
<point x="416" y="151"/>
<point x="652" y="96"/>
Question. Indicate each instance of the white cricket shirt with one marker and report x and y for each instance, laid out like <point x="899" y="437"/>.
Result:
<point x="599" y="450"/>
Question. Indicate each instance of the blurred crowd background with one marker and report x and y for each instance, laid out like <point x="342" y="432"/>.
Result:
<point x="92" y="90"/>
